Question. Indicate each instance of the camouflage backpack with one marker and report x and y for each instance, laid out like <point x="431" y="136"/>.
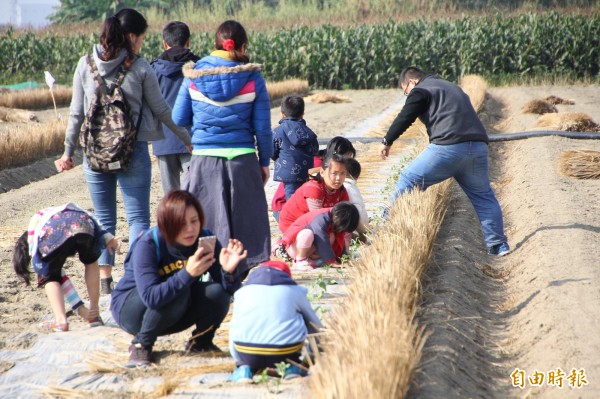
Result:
<point x="107" y="134"/>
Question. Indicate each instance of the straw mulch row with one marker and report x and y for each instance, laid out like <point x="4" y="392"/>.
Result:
<point x="41" y="98"/>
<point x="27" y="143"/>
<point x="36" y="98"/>
<point x="373" y="343"/>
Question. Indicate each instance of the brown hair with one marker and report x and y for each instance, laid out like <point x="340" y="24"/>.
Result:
<point x="115" y="33"/>
<point x="235" y="31"/>
<point x="170" y="215"/>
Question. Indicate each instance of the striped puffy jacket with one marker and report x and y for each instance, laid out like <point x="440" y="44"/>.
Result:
<point x="227" y="105"/>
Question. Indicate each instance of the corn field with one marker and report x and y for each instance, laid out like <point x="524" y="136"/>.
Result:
<point x="495" y="47"/>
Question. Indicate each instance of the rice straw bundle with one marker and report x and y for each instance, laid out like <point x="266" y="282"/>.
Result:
<point x="320" y="98"/>
<point x="568" y="122"/>
<point x="278" y="90"/>
<point x="475" y="86"/>
<point x="557" y="100"/>
<point x="580" y="164"/>
<point x="538" y="107"/>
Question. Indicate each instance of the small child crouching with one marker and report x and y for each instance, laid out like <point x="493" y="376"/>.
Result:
<point x="53" y="235"/>
<point x="319" y="236"/>
<point x="271" y="320"/>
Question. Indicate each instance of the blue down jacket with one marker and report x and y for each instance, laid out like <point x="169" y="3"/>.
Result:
<point x="227" y="104"/>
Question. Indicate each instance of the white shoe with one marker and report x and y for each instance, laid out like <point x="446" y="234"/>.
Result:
<point x="302" y="265"/>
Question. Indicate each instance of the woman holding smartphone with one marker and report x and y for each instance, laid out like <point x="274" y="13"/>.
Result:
<point x="161" y="293"/>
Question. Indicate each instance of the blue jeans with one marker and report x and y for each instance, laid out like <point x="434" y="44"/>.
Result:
<point x="290" y="188"/>
<point x="135" y="190"/>
<point x="468" y="163"/>
<point x="202" y="304"/>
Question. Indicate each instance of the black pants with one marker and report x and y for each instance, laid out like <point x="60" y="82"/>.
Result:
<point x="202" y="304"/>
<point x="82" y="244"/>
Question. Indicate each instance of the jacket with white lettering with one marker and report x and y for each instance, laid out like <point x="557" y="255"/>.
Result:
<point x="227" y="105"/>
<point x="158" y="272"/>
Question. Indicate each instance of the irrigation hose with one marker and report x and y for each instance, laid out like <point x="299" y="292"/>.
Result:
<point x="494" y="137"/>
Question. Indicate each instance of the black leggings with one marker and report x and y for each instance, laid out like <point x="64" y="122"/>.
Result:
<point x="202" y="304"/>
<point x="82" y="244"/>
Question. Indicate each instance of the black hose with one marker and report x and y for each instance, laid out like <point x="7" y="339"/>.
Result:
<point x="542" y="133"/>
<point x="494" y="137"/>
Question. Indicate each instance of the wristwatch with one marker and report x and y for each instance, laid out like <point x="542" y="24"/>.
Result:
<point x="385" y="142"/>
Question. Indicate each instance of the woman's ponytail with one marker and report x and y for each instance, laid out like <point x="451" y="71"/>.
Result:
<point x="115" y="34"/>
<point x="231" y="37"/>
<point x="21" y="259"/>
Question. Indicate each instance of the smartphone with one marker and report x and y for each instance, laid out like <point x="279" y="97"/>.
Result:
<point x="208" y="243"/>
<point x="58" y="165"/>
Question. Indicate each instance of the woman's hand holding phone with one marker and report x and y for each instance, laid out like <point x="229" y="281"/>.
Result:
<point x="200" y="262"/>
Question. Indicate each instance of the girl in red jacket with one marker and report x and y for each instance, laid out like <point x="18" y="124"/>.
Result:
<point x="324" y="192"/>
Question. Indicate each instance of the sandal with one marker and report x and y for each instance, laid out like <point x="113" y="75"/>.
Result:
<point x="55" y="326"/>
<point x="93" y="318"/>
<point x="95" y="322"/>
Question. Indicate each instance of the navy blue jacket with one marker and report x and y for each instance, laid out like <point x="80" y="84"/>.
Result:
<point x="294" y="146"/>
<point x="159" y="273"/>
<point x="167" y="68"/>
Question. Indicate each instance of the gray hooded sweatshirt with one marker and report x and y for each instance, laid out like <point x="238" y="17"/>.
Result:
<point x="140" y="85"/>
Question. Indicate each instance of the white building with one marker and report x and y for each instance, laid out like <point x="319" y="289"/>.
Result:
<point x="24" y="13"/>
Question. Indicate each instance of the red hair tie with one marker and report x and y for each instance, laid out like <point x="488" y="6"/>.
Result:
<point x="228" y="45"/>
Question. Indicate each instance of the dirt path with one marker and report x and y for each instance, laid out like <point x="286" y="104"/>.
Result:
<point x="536" y="310"/>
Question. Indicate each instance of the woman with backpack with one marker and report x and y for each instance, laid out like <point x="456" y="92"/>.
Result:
<point x="115" y="66"/>
<point x="225" y="100"/>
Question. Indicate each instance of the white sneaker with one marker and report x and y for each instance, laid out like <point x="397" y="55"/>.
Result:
<point x="302" y="265"/>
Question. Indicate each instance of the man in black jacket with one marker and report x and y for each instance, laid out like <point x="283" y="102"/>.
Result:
<point x="458" y="148"/>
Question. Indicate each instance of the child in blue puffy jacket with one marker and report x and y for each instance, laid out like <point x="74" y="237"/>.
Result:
<point x="294" y="146"/>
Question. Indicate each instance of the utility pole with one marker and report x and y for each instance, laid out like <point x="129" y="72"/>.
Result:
<point x="14" y="18"/>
